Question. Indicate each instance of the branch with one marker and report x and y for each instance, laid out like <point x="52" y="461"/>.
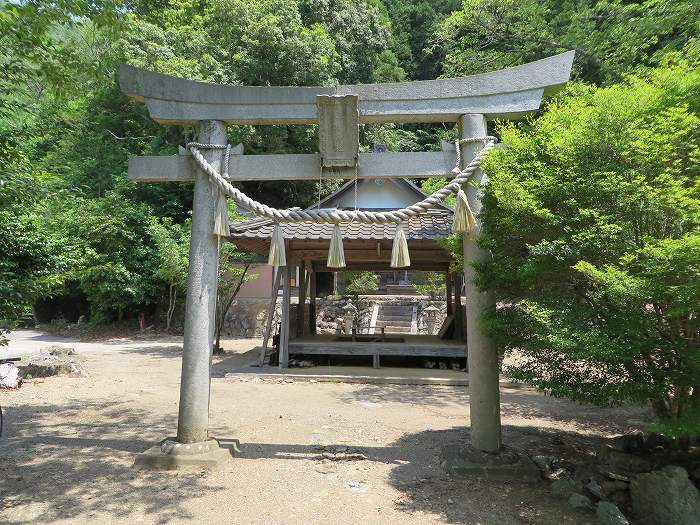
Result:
<point x="129" y="138"/>
<point x="554" y="43"/>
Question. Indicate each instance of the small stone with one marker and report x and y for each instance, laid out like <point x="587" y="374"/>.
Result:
<point x="579" y="501"/>
<point x="543" y="462"/>
<point x="450" y="501"/>
<point x="564" y="487"/>
<point x="609" y="514"/>
<point x="595" y="489"/>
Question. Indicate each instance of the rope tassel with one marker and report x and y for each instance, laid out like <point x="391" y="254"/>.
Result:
<point x="221" y="219"/>
<point x="464" y="220"/>
<point x="399" y="251"/>
<point x="277" y="255"/>
<point x="336" y="254"/>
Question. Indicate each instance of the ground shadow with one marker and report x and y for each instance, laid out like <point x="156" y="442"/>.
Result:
<point x="518" y="402"/>
<point x="427" y="487"/>
<point x="229" y="362"/>
<point x="81" y="466"/>
<point x="435" y="396"/>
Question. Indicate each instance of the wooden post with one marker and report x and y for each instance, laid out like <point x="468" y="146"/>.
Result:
<point x="301" y="306"/>
<point x="284" y="332"/>
<point x="276" y="280"/>
<point x="200" y="306"/>
<point x="448" y="293"/>
<point x="312" y="300"/>
<point x="457" y="309"/>
<point x="484" y="396"/>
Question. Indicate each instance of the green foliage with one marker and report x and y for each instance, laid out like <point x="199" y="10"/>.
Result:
<point x="592" y="214"/>
<point x="611" y="37"/>
<point x="172" y="243"/>
<point x="432" y="284"/>
<point x="360" y="282"/>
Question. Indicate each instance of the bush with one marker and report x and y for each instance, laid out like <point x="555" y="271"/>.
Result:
<point x="592" y="215"/>
<point x="360" y="282"/>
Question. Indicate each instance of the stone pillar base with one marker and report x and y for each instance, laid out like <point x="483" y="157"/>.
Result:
<point x="505" y="465"/>
<point x="172" y="455"/>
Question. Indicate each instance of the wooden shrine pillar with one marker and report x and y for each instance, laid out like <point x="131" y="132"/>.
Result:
<point x="484" y="395"/>
<point x="286" y="300"/>
<point x="448" y="293"/>
<point x="301" y="306"/>
<point x="200" y="308"/>
<point x="458" y="309"/>
<point x="312" y="299"/>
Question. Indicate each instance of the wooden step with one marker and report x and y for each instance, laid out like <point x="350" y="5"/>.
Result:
<point x="394" y="323"/>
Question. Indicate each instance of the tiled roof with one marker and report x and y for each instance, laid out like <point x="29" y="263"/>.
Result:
<point x="431" y="225"/>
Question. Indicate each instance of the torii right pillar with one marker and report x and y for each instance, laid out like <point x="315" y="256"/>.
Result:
<point x="484" y="395"/>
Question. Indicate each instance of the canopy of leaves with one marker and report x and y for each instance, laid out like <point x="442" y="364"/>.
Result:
<point x="592" y="214"/>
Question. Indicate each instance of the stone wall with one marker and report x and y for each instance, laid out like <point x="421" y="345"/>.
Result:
<point x="246" y="317"/>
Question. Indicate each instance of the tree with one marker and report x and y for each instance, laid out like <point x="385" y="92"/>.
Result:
<point x="592" y="214"/>
<point x="233" y="272"/>
<point x="433" y="284"/>
<point x="611" y="37"/>
<point x="172" y="248"/>
<point x="360" y="282"/>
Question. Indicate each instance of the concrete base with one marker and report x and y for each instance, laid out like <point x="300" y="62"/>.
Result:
<point x="506" y="465"/>
<point x="172" y="455"/>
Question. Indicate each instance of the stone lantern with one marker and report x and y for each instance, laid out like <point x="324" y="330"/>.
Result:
<point x="349" y="317"/>
<point x="431" y="316"/>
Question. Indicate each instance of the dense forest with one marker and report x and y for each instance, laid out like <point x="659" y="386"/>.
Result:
<point x="592" y="215"/>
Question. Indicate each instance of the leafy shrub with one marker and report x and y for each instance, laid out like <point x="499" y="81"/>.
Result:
<point x="593" y="218"/>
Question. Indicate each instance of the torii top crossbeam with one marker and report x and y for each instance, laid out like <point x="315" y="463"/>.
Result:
<point x="507" y="93"/>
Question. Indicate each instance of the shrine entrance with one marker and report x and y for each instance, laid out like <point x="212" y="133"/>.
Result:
<point x="215" y="166"/>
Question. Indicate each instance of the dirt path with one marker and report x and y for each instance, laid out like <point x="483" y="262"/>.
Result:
<point x="69" y="444"/>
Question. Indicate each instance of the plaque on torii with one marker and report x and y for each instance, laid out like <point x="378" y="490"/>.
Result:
<point x="338" y="110"/>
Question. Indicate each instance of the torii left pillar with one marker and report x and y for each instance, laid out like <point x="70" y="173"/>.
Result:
<point x="193" y="448"/>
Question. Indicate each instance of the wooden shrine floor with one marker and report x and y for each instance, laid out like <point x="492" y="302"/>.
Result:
<point x="372" y="345"/>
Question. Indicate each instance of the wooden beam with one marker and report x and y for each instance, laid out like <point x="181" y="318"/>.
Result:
<point x="284" y="332"/>
<point x="301" y="306"/>
<point x="312" y="299"/>
<point x="371" y="255"/>
<point x="437" y="266"/>
<point x="276" y="281"/>
<point x="448" y="293"/>
<point x="413" y="165"/>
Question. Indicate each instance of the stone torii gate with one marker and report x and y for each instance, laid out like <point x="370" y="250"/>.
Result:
<point x="469" y="101"/>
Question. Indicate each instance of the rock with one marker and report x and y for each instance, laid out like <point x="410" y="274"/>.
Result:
<point x="665" y="497"/>
<point x="564" y="487"/>
<point x="579" y="501"/>
<point x="696" y="475"/>
<point x="9" y="376"/>
<point x="543" y="462"/>
<point x="47" y="365"/>
<point x="609" y="514"/>
<point x="611" y="459"/>
<point x="595" y="489"/>
<point x="610" y="487"/>
<point x="58" y="350"/>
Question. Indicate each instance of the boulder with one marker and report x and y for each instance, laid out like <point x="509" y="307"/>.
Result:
<point x="614" y="460"/>
<point x="9" y="376"/>
<point x="580" y="502"/>
<point x="565" y="487"/>
<point x="609" y="514"/>
<point x="52" y="364"/>
<point x="595" y="488"/>
<point x="665" y="497"/>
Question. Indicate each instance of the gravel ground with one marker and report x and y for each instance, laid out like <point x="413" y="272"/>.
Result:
<point x="310" y="452"/>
